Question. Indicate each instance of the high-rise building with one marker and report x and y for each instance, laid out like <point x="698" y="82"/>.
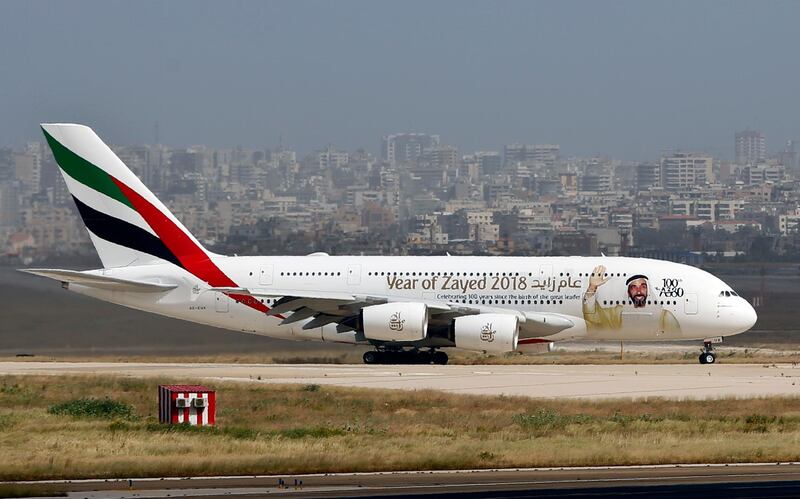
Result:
<point x="406" y="147"/>
<point x="137" y="158"/>
<point x="9" y="207"/>
<point x="685" y="170"/>
<point x="490" y="162"/>
<point x="750" y="147"/>
<point x="331" y="158"/>
<point x="648" y="175"/>
<point x="441" y="156"/>
<point x="595" y="182"/>
<point x="6" y="163"/>
<point x="788" y="157"/>
<point x="28" y="167"/>
<point x="546" y="154"/>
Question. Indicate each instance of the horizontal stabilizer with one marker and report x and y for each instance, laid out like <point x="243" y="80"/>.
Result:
<point x="101" y="281"/>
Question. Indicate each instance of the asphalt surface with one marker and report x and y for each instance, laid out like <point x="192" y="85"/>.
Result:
<point x="675" y="381"/>
<point x="740" y="481"/>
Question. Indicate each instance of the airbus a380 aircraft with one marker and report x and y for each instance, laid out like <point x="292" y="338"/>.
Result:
<point x="407" y="307"/>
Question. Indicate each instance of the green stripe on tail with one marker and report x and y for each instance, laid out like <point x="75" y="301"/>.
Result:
<point x="85" y="172"/>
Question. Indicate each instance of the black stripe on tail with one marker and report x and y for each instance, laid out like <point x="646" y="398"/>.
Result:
<point x="124" y="233"/>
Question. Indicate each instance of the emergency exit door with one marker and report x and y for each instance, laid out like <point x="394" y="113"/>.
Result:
<point x="690" y="304"/>
<point x="354" y="275"/>
<point x="221" y="302"/>
<point x="265" y="276"/>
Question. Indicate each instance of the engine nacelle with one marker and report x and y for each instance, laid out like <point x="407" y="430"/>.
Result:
<point x="398" y="321"/>
<point x="489" y="332"/>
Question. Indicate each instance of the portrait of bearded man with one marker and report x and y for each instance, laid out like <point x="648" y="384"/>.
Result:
<point x="660" y="322"/>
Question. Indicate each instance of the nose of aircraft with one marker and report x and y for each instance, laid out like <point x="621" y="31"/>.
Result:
<point x="744" y="317"/>
<point x="749" y="316"/>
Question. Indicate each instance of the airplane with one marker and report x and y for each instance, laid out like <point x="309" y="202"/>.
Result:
<point x="408" y="308"/>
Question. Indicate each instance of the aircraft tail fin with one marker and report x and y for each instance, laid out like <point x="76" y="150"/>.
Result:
<point x="127" y="224"/>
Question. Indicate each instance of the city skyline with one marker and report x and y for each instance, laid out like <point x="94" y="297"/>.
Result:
<point x="422" y="196"/>
<point x="627" y="80"/>
<point x="727" y="152"/>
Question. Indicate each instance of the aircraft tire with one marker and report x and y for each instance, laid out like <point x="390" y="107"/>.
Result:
<point x="440" y="358"/>
<point x="372" y="357"/>
<point x="423" y="358"/>
<point x="707" y="358"/>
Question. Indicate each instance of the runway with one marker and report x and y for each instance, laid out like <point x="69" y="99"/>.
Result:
<point x="674" y="381"/>
<point x="744" y="480"/>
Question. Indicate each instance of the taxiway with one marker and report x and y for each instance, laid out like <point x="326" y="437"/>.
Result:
<point x="735" y="480"/>
<point x="674" y="381"/>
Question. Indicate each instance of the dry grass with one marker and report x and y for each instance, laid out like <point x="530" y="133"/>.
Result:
<point x="293" y="429"/>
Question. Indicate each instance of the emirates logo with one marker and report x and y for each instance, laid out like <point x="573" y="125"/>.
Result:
<point x="396" y="322"/>
<point x="487" y="333"/>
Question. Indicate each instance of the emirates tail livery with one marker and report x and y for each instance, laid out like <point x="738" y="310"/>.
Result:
<point x="406" y="307"/>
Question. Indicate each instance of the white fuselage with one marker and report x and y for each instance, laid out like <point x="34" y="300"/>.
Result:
<point x="682" y="302"/>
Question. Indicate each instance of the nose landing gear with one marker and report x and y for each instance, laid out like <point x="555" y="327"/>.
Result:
<point x="708" y="356"/>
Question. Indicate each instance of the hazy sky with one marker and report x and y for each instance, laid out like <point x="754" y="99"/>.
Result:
<point x="598" y="77"/>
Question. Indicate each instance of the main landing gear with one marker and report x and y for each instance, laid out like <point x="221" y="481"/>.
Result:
<point x="413" y="356"/>
<point x="708" y="356"/>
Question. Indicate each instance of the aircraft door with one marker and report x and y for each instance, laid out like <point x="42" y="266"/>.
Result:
<point x="690" y="304"/>
<point x="354" y="275"/>
<point x="265" y="276"/>
<point x="221" y="302"/>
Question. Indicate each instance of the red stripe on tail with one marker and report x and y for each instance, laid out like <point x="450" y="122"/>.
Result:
<point x="192" y="257"/>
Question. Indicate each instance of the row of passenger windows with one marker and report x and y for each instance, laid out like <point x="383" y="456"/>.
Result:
<point x="270" y="301"/>
<point x="649" y="302"/>
<point x="511" y="302"/>
<point x="456" y="274"/>
<point x="311" y="274"/>
<point x="489" y="274"/>
<point x="557" y="302"/>
<point x="249" y="300"/>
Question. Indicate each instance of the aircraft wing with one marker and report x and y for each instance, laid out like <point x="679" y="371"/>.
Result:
<point x="326" y="307"/>
<point x="101" y="281"/>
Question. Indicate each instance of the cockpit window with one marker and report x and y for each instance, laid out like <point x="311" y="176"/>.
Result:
<point x="727" y="293"/>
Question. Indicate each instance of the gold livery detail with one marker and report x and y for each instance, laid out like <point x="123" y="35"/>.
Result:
<point x="487" y="333"/>
<point x="396" y="323"/>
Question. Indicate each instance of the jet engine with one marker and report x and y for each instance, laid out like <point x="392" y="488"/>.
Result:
<point x="397" y="321"/>
<point x="489" y="332"/>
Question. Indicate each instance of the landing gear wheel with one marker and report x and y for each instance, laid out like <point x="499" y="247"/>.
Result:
<point x="440" y="358"/>
<point x="371" y="357"/>
<point x="424" y="358"/>
<point x="708" y="358"/>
